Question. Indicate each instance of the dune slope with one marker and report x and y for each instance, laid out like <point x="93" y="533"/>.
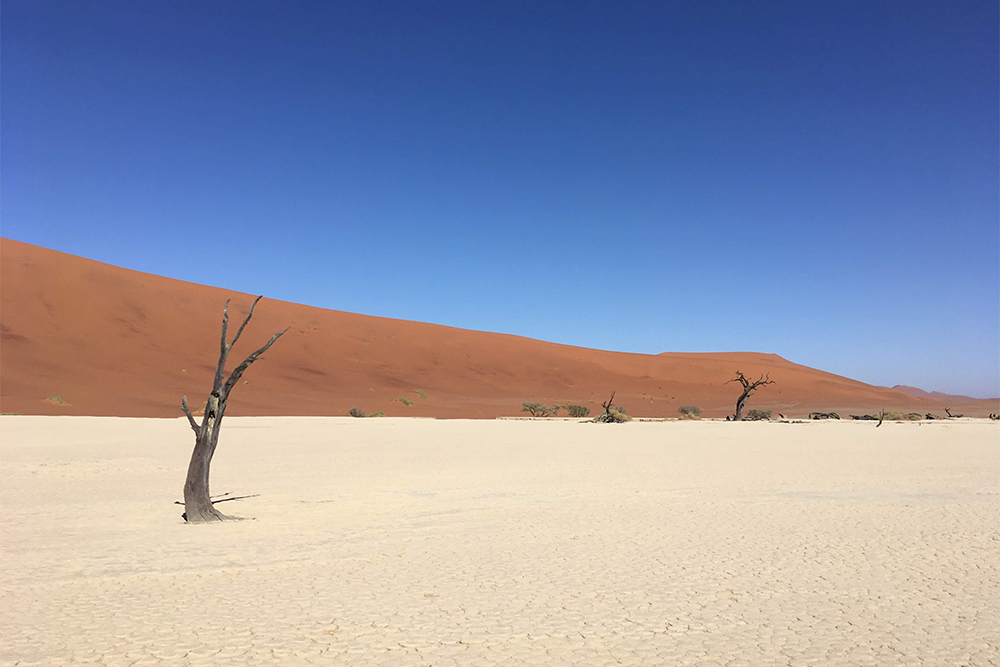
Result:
<point x="79" y="337"/>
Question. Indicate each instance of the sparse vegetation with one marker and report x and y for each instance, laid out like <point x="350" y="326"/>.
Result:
<point x="538" y="409"/>
<point x="611" y="414"/>
<point x="894" y="416"/>
<point x="360" y="414"/>
<point x="577" y="410"/>
<point x="689" y="412"/>
<point x="421" y="393"/>
<point x="55" y="400"/>
<point x="403" y="399"/>
<point x="755" y="415"/>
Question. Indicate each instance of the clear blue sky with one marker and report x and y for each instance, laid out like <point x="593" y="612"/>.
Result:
<point x="814" y="179"/>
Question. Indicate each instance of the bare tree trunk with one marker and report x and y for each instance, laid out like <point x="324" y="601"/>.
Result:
<point x="740" y="402"/>
<point x="198" y="507"/>
<point x="748" y="389"/>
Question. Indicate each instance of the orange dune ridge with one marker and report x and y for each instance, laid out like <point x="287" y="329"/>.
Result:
<point x="78" y="337"/>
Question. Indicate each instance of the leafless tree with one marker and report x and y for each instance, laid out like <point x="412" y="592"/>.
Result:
<point x="749" y="387"/>
<point x="198" y="506"/>
<point x="611" y="415"/>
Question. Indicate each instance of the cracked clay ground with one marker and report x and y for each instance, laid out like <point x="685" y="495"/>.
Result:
<point x="486" y="543"/>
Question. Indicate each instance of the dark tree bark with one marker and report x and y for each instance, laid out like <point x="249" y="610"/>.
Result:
<point x="749" y="387"/>
<point x="198" y="507"/>
<point x="610" y="416"/>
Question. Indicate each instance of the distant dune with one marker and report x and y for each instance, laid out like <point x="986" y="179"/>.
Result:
<point x="936" y="395"/>
<point x="79" y="337"/>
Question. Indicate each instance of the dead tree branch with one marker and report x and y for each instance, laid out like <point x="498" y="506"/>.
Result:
<point x="749" y="387"/>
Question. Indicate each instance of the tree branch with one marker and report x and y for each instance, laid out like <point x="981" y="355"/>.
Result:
<point x="238" y="371"/>
<point x="243" y="326"/>
<point x="223" y="498"/>
<point x="223" y="350"/>
<point x="739" y="378"/>
<point x="191" y="420"/>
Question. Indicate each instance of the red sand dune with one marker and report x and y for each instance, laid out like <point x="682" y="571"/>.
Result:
<point x="110" y="341"/>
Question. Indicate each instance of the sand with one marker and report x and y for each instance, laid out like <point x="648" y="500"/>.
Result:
<point x="78" y="337"/>
<point x="472" y="542"/>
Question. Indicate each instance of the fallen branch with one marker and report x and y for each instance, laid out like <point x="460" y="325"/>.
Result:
<point x="216" y="502"/>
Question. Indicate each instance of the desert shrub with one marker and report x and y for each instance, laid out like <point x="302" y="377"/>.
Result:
<point x="577" y="410"/>
<point x="689" y="412"/>
<point x="403" y="399"/>
<point x="55" y="400"/>
<point x="377" y="414"/>
<point x="756" y="415"/>
<point x="900" y="416"/>
<point x="420" y="392"/>
<point x="537" y="409"/>
<point x="357" y="412"/>
<point x="612" y="416"/>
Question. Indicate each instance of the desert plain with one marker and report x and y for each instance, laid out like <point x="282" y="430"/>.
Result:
<point x="402" y="541"/>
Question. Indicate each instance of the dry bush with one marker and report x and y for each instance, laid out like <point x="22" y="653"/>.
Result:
<point x="689" y="412"/>
<point x="902" y="416"/>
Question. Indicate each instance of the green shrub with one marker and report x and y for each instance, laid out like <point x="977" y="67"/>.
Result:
<point x="55" y="400"/>
<point x="420" y="392"/>
<point x="403" y="399"/>
<point x="357" y="412"/>
<point x="377" y="414"/>
<point x="689" y="412"/>
<point x="577" y="410"/>
<point x="756" y="415"/>
<point x="537" y="409"/>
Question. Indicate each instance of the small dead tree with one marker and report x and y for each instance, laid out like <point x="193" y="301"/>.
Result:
<point x="611" y="415"/>
<point x="749" y="387"/>
<point x="198" y="506"/>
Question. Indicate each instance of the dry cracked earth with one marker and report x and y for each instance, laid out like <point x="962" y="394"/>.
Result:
<point x="425" y="543"/>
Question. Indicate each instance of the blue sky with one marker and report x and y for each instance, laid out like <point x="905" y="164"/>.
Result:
<point x="813" y="179"/>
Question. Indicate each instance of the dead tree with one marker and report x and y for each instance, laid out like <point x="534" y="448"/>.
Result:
<point x="610" y="414"/>
<point x="749" y="387"/>
<point x="198" y="507"/>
